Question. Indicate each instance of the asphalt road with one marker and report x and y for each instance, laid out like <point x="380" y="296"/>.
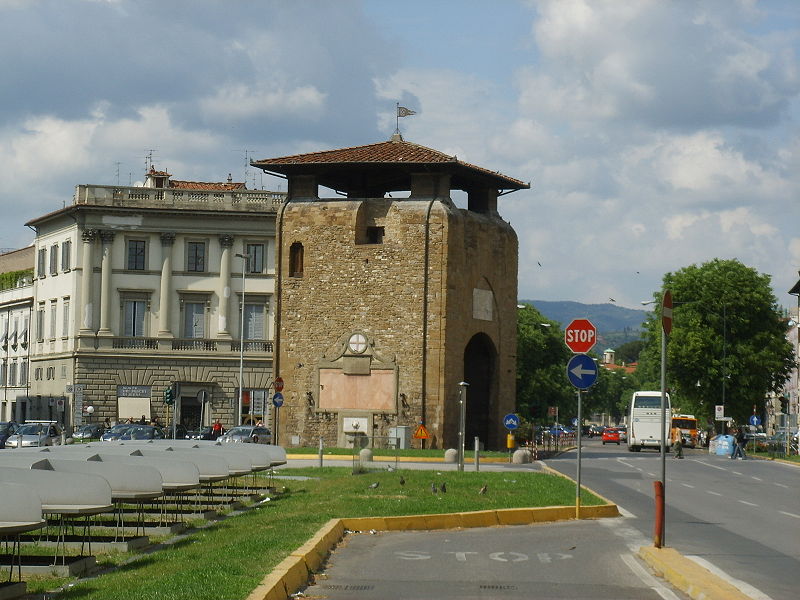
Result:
<point x="740" y="517"/>
<point x="574" y="559"/>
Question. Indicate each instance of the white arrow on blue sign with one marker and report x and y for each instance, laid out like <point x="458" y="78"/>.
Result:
<point x="754" y="420"/>
<point x="277" y="400"/>
<point x="511" y="421"/>
<point x="581" y="371"/>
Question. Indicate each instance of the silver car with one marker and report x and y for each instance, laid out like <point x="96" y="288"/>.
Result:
<point x="35" y="433"/>
<point x="249" y="434"/>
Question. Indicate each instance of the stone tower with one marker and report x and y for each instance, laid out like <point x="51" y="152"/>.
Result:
<point x="391" y="295"/>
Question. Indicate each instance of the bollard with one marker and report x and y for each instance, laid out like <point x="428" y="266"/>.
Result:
<point x="658" y="534"/>
<point x="477" y="455"/>
<point x="320" y="453"/>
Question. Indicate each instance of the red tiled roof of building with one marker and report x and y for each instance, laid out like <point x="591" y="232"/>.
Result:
<point x="394" y="152"/>
<point x="208" y="186"/>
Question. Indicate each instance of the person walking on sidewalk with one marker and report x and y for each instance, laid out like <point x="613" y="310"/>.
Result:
<point x="738" y="444"/>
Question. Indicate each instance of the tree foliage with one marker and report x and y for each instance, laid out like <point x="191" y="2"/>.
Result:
<point x="728" y="343"/>
<point x="541" y="366"/>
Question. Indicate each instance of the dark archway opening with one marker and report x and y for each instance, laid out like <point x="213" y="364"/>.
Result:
<point x="480" y="358"/>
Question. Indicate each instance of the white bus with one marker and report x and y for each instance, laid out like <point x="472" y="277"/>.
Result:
<point x="644" y="421"/>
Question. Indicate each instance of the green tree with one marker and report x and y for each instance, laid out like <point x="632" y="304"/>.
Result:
<point x="728" y="343"/>
<point x="629" y="351"/>
<point x="542" y="359"/>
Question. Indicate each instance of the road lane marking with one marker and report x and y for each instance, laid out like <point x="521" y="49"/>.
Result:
<point x="626" y="513"/>
<point x="687" y="485"/>
<point x="736" y="472"/>
<point x="713" y="493"/>
<point x="757" y="478"/>
<point x="744" y="587"/>
<point x="781" y="485"/>
<point x="788" y="514"/>
<point x="646" y="578"/>
<point x="747" y="503"/>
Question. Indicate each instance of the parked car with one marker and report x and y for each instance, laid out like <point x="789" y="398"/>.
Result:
<point x="612" y="435"/>
<point x="6" y="428"/>
<point x="91" y="431"/>
<point x="247" y="434"/>
<point x="115" y="432"/>
<point x="181" y="433"/>
<point x="142" y="432"/>
<point x="202" y="434"/>
<point x="595" y="430"/>
<point x="559" y="430"/>
<point x="35" y="433"/>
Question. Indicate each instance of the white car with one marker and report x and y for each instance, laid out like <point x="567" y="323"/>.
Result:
<point x="35" y="433"/>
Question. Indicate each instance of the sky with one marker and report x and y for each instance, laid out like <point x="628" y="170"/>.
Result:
<point x="656" y="134"/>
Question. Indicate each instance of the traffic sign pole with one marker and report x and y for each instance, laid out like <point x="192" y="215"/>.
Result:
<point x="578" y="473"/>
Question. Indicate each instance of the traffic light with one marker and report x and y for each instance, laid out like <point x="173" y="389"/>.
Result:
<point x="168" y="398"/>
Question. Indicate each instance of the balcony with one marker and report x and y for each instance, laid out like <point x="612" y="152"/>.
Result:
<point x="188" y="346"/>
<point x="142" y="197"/>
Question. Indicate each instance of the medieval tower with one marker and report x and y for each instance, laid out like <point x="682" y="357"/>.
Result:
<point x="389" y="296"/>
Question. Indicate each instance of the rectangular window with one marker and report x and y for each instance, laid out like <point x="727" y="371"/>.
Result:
<point x="194" y="320"/>
<point x="134" y="318"/>
<point x="14" y="332"/>
<point x="296" y="260"/>
<point x="253" y="321"/>
<point x="23" y="373"/>
<point x="53" y="320"/>
<point x="66" y="258"/>
<point x="255" y="261"/>
<point x="40" y="322"/>
<point x="12" y="374"/>
<point x="4" y="332"/>
<point x="196" y="257"/>
<point x="3" y="374"/>
<point x="136" y="255"/>
<point x="65" y="318"/>
<point x="54" y="259"/>
<point x="23" y="335"/>
<point x="41" y="264"/>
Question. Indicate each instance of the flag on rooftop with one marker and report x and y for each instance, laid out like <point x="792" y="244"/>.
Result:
<point x="402" y="111"/>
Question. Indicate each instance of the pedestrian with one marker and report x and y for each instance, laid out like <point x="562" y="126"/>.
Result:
<point x="677" y="442"/>
<point x="143" y="420"/>
<point x="107" y="423"/>
<point x="217" y="430"/>
<point x="738" y="444"/>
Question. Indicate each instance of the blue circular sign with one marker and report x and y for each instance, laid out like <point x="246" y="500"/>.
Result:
<point x="511" y="421"/>
<point x="581" y="371"/>
<point x="277" y="400"/>
<point x="574" y="421"/>
<point x="754" y="420"/>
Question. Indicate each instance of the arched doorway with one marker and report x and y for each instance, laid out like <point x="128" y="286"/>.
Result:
<point x="480" y="358"/>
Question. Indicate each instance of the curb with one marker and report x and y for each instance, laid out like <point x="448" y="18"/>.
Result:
<point x="293" y="572"/>
<point x="686" y="575"/>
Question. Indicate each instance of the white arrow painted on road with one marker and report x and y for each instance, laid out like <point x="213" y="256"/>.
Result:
<point x="579" y="371"/>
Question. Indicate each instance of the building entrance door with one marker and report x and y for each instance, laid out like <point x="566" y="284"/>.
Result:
<point x="479" y="365"/>
<point x="190" y="412"/>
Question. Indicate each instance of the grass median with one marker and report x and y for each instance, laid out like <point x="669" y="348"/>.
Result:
<point x="228" y="559"/>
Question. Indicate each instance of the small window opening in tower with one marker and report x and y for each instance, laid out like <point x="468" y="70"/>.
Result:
<point x="296" y="260"/>
<point x="375" y="235"/>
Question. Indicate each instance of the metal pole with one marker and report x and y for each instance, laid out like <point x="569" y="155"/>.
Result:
<point x="578" y="478"/>
<point x="477" y="455"/>
<point x="663" y="429"/>
<point x="238" y="419"/>
<point x="461" y="423"/>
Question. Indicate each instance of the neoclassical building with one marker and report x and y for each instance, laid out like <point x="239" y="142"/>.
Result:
<point x="390" y="295"/>
<point x="137" y="289"/>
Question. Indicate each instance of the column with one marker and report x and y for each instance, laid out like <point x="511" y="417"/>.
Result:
<point x="106" y="239"/>
<point x="87" y="304"/>
<point x="226" y="243"/>
<point x="165" y="296"/>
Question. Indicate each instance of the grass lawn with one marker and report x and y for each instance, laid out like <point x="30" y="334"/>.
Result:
<point x="228" y="559"/>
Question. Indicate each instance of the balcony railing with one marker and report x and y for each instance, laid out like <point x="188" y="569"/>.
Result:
<point x="170" y="345"/>
<point x="239" y="200"/>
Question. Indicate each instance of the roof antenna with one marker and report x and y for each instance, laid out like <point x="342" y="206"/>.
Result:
<point x="148" y="160"/>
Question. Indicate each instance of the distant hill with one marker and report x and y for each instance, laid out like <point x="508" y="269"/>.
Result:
<point x="615" y="324"/>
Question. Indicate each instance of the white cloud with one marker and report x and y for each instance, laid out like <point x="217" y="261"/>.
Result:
<point x="239" y="102"/>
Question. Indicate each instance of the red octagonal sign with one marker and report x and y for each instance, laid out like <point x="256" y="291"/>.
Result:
<point x="580" y="336"/>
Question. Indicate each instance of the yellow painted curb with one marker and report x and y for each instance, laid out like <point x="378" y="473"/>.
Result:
<point x="688" y="576"/>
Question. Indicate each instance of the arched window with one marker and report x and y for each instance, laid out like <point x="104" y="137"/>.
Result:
<point x="296" y="260"/>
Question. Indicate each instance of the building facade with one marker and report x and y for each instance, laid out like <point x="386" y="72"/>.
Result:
<point x="391" y="296"/>
<point x="140" y="289"/>
<point x="16" y="302"/>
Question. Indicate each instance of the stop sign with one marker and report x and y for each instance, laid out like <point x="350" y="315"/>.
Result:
<point x="580" y="336"/>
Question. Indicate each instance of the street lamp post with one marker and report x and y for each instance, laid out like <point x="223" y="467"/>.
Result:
<point x="462" y="392"/>
<point x="244" y="258"/>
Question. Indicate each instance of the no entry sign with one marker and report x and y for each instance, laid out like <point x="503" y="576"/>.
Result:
<point x="580" y="336"/>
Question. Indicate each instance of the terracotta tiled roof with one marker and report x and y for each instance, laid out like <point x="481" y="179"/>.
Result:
<point x="209" y="186"/>
<point x="394" y="153"/>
